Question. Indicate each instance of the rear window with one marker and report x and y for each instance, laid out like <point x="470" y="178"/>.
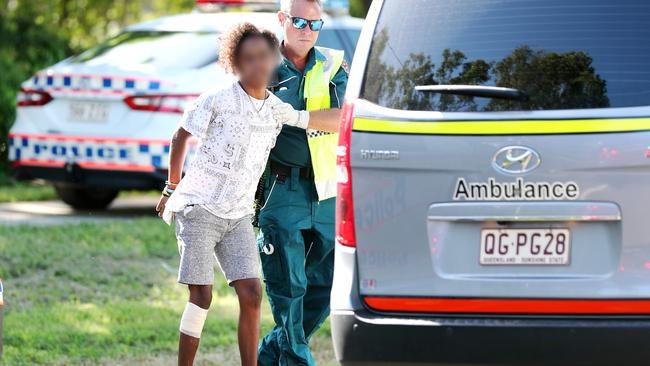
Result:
<point x="153" y="50"/>
<point x="557" y="54"/>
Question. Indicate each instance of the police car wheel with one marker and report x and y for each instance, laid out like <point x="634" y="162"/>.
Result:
<point x="86" y="198"/>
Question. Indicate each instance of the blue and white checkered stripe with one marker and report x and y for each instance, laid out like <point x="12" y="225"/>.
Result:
<point x="113" y="84"/>
<point x="128" y="153"/>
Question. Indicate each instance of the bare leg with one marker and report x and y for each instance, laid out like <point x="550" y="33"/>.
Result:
<point x="200" y="295"/>
<point x="249" y="292"/>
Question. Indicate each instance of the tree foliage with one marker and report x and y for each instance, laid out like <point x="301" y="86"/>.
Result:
<point x="569" y="80"/>
<point x="359" y="8"/>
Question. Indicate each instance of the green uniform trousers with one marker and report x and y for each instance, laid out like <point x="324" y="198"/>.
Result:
<point x="296" y="243"/>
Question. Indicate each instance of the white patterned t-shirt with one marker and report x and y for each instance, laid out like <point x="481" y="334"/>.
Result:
<point x="234" y="141"/>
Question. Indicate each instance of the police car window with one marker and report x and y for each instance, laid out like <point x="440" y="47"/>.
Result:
<point x="153" y="50"/>
<point x="558" y="54"/>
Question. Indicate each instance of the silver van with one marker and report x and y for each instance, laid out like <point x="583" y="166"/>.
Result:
<point x="494" y="185"/>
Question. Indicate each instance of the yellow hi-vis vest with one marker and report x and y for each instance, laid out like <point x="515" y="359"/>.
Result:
<point x="322" y="145"/>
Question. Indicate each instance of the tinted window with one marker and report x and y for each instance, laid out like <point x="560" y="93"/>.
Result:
<point x="561" y="54"/>
<point x="152" y="49"/>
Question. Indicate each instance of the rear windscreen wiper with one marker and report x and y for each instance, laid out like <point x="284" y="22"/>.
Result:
<point x="475" y="91"/>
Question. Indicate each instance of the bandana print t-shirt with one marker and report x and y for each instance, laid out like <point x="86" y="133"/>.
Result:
<point x="235" y="138"/>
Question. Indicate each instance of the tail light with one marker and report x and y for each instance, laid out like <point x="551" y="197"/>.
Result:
<point x="345" y="233"/>
<point x="30" y="98"/>
<point x="170" y="103"/>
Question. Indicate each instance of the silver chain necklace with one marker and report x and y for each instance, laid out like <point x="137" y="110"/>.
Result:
<point x="250" y="99"/>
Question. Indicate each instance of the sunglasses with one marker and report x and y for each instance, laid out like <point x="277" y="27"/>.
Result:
<point x="301" y="23"/>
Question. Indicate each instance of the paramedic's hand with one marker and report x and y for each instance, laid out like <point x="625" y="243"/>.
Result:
<point x="160" y="207"/>
<point x="285" y="114"/>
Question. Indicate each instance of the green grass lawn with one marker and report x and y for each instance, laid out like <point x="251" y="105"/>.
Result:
<point x="106" y="293"/>
<point x="11" y="191"/>
<point x="25" y="191"/>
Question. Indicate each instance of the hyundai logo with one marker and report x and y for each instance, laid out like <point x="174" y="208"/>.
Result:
<point x="516" y="160"/>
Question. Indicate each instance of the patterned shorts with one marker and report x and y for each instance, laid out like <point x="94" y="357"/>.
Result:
<point x="202" y="237"/>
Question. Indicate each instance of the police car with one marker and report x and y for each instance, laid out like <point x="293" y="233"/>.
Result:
<point x="494" y="185"/>
<point x="100" y="121"/>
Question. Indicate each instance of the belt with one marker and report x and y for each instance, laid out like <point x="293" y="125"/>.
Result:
<point x="284" y="170"/>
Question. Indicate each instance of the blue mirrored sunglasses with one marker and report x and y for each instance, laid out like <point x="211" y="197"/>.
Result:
<point x="301" y="23"/>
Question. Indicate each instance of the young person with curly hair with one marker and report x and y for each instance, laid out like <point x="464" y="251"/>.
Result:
<point x="213" y="203"/>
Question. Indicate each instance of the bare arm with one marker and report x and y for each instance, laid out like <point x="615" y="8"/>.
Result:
<point x="325" y="120"/>
<point x="177" y="151"/>
<point x="328" y="120"/>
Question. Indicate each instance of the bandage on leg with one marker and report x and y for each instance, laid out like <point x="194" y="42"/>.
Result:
<point x="193" y="320"/>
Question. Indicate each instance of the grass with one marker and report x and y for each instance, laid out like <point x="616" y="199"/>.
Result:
<point x="12" y="191"/>
<point x="104" y="294"/>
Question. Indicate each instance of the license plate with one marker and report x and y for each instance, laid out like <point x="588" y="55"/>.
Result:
<point x="88" y="112"/>
<point x="525" y="247"/>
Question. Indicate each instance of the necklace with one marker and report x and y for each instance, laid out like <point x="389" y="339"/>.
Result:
<point x="250" y="99"/>
<point x="254" y="107"/>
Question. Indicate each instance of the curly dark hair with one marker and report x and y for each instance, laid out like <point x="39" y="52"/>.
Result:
<point x="232" y="39"/>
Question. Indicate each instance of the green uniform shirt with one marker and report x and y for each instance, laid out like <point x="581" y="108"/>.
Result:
<point x="291" y="148"/>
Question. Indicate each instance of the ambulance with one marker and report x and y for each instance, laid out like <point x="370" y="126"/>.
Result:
<point x="494" y="185"/>
<point x="100" y="122"/>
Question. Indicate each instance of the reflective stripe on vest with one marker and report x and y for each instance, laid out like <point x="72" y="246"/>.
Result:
<point x="322" y="145"/>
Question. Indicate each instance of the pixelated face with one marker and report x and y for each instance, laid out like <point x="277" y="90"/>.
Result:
<point x="256" y="61"/>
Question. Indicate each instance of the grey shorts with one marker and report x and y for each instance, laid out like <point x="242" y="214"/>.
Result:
<point x="202" y="237"/>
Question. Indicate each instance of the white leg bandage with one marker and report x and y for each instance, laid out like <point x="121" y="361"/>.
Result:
<point x="193" y="320"/>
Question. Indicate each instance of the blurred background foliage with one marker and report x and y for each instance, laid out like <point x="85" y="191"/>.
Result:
<point x="35" y="34"/>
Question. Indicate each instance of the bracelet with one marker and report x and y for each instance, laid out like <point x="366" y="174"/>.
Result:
<point x="170" y="183"/>
<point x="167" y="192"/>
